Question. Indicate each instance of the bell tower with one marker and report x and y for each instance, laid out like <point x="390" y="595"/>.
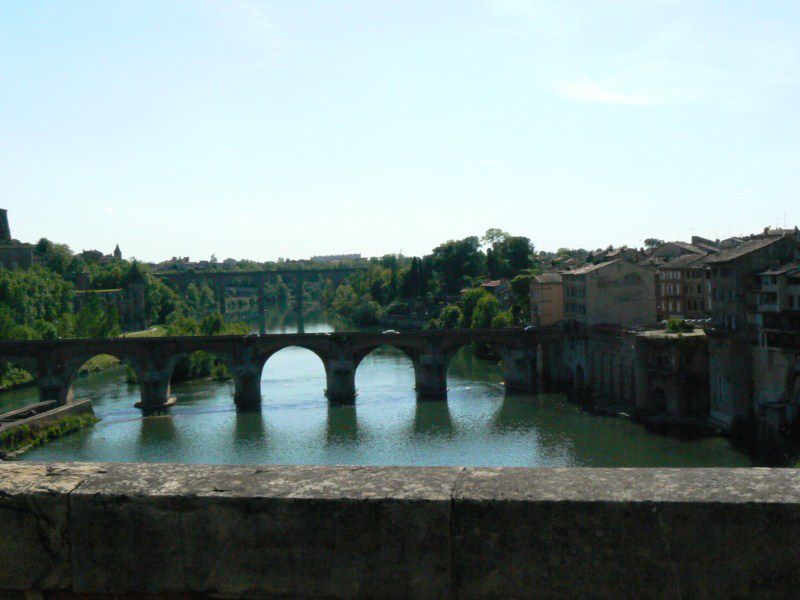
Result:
<point x="5" y="231"/>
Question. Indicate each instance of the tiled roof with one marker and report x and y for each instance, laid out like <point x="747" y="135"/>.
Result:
<point x="589" y="268"/>
<point x="549" y="278"/>
<point x="686" y="246"/>
<point x="707" y="247"/>
<point x="787" y="268"/>
<point x="743" y="249"/>
<point x="680" y="262"/>
<point x="495" y="283"/>
<point x="652" y="261"/>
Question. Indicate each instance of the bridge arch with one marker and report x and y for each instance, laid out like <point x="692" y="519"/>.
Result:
<point x="76" y="369"/>
<point x="267" y="369"/>
<point x="403" y="376"/>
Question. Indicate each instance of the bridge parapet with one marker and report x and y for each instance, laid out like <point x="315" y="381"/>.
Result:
<point x="73" y="530"/>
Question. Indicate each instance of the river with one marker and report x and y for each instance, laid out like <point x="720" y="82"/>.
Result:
<point x="478" y="424"/>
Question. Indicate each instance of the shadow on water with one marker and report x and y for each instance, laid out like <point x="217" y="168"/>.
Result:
<point x="566" y="433"/>
<point x="249" y="429"/>
<point x="432" y="418"/>
<point x="156" y="430"/>
<point x="341" y="424"/>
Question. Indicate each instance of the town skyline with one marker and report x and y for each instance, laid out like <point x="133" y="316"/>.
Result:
<point x="18" y="225"/>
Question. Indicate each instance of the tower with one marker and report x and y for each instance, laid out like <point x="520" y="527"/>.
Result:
<point x="5" y="231"/>
<point x="117" y="253"/>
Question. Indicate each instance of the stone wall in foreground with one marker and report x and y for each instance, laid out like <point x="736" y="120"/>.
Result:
<point x="73" y="529"/>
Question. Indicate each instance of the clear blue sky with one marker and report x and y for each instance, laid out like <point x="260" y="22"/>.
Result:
<point x="267" y="129"/>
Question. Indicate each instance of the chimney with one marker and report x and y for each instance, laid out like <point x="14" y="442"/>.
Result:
<point x="5" y="232"/>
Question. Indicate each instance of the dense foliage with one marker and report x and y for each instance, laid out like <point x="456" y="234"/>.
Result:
<point x="442" y="288"/>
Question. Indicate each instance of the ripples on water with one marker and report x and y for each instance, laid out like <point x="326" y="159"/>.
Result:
<point x="478" y="424"/>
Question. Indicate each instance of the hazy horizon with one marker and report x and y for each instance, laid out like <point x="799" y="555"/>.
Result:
<point x="262" y="130"/>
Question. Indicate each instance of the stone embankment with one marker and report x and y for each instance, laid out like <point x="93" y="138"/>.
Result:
<point x="71" y="530"/>
<point x="29" y="426"/>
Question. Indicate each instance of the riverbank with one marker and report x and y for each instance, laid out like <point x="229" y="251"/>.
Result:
<point x="26" y="428"/>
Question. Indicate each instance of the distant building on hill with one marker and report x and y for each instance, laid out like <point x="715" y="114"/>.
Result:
<point x="13" y="253"/>
<point x="95" y="256"/>
<point x="335" y="257"/>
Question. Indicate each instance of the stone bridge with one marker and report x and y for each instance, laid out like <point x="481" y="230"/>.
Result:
<point x="294" y="278"/>
<point x="55" y="363"/>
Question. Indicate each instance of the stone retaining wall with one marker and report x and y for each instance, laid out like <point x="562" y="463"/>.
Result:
<point x="72" y="529"/>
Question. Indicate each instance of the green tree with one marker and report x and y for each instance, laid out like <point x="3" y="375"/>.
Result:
<point x="450" y="318"/>
<point x="494" y="236"/>
<point x="457" y="259"/>
<point x="512" y="255"/>
<point x="521" y="297"/>
<point x="503" y="319"/>
<point x="212" y="324"/>
<point x="485" y="311"/>
<point x="469" y="300"/>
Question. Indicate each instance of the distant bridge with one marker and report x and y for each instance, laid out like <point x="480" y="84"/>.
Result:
<point x="55" y="363"/>
<point x="294" y="278"/>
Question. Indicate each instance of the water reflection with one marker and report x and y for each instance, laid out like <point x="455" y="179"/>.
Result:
<point x="157" y="430"/>
<point x="249" y="429"/>
<point x="432" y="418"/>
<point x="341" y="426"/>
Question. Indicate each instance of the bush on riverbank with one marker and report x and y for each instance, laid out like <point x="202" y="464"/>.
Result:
<point x="29" y="436"/>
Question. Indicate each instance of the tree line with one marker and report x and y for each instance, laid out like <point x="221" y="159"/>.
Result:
<point x="446" y="282"/>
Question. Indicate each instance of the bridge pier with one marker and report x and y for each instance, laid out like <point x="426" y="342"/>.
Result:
<point x="340" y="374"/>
<point x="519" y="372"/>
<point x="430" y="375"/>
<point x="247" y="390"/>
<point x="51" y="388"/>
<point x="262" y="308"/>
<point x="54" y="381"/>
<point x="154" y="387"/>
<point x="221" y="296"/>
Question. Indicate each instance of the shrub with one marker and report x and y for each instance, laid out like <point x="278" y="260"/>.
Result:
<point x="676" y="325"/>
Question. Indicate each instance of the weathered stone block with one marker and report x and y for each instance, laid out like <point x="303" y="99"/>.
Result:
<point x="610" y="533"/>
<point x="305" y="531"/>
<point x="34" y="528"/>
